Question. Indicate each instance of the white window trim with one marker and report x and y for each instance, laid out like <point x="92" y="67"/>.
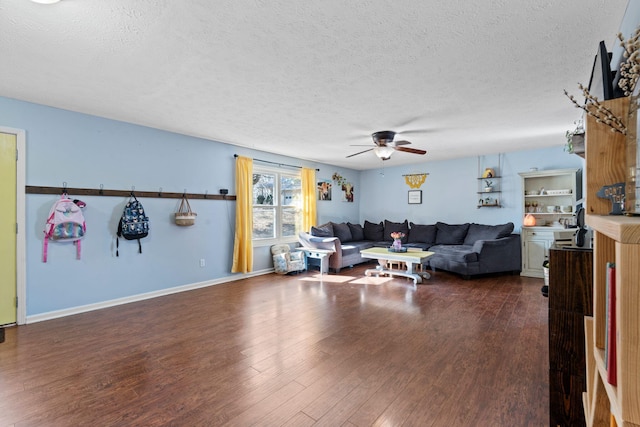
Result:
<point x="277" y="171"/>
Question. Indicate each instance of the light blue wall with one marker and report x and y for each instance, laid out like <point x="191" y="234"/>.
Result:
<point x="449" y="193"/>
<point x="87" y="152"/>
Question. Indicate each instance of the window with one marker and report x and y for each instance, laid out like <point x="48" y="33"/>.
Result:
<point x="276" y="205"/>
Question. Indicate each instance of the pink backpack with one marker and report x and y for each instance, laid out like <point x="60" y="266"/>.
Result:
<point x="64" y="224"/>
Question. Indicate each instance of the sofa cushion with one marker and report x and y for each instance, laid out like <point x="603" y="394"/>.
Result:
<point x="342" y="232"/>
<point x="420" y="233"/>
<point x="451" y="234"/>
<point x="357" y="232"/>
<point x="392" y="227"/>
<point x="373" y="231"/>
<point x="457" y="253"/>
<point x="324" y="230"/>
<point x="487" y="232"/>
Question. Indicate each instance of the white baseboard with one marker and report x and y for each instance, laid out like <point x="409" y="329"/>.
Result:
<point x="140" y="297"/>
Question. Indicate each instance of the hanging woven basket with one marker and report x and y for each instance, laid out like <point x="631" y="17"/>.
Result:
<point x="184" y="216"/>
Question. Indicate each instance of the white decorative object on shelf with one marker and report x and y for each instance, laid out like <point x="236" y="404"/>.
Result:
<point x="559" y="192"/>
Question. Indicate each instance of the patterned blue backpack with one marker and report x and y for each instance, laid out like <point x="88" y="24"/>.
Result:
<point x="133" y="224"/>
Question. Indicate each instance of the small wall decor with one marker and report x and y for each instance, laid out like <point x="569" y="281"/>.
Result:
<point x="324" y="189"/>
<point x="415" y="197"/>
<point x="338" y="179"/>
<point x="415" y="180"/>
<point x="488" y="173"/>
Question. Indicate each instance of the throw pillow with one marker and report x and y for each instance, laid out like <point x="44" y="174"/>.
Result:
<point x="357" y="232"/>
<point x="324" y="230"/>
<point x="392" y="227"/>
<point x="373" y="231"/>
<point x="419" y="233"/>
<point x="342" y="232"/>
<point x="505" y="230"/>
<point x="487" y="232"/>
<point x="451" y="234"/>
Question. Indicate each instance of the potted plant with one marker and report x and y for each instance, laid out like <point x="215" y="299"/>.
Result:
<point x="488" y="186"/>
<point x="575" y="140"/>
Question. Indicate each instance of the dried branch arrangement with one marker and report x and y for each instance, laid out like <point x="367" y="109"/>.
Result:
<point x="601" y="113"/>
<point x="630" y="69"/>
<point x="629" y="72"/>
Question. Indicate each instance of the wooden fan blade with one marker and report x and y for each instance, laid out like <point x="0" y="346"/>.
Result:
<point x="411" y="150"/>
<point x="355" y="154"/>
<point x="396" y="143"/>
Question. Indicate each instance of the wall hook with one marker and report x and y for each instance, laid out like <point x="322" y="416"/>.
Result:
<point x="101" y="191"/>
<point x="160" y="192"/>
<point x="206" y="192"/>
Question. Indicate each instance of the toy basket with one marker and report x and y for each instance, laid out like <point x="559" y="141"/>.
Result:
<point x="185" y="216"/>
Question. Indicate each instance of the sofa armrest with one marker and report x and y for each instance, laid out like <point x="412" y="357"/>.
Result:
<point x="505" y="251"/>
<point x="326" y="243"/>
<point x="314" y="242"/>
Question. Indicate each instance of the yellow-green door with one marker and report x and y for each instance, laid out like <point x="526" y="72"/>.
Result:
<point x="8" y="220"/>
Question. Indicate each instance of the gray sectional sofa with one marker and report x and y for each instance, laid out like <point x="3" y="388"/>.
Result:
<point x="467" y="249"/>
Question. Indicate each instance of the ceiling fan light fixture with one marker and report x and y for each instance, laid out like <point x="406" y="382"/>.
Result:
<point x="45" y="1"/>
<point x="383" y="152"/>
<point x="383" y="137"/>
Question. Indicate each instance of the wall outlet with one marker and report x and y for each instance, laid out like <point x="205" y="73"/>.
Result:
<point x="201" y="262"/>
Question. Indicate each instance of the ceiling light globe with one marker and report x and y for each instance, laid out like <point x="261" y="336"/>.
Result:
<point x="384" y="152"/>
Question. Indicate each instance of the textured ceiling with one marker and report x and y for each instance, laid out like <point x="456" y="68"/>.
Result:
<point x="309" y="79"/>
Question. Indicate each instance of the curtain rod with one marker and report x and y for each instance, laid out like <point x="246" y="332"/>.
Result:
<point x="276" y="163"/>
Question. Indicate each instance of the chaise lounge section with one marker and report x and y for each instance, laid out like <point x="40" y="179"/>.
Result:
<point x="467" y="249"/>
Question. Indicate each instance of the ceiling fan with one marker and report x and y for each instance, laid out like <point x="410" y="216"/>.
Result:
<point x="385" y="145"/>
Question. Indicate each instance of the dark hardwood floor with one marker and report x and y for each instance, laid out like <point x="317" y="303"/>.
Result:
<point x="291" y="351"/>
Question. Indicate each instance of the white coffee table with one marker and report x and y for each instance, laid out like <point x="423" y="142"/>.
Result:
<point x="410" y="258"/>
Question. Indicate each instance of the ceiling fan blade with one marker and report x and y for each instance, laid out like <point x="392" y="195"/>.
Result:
<point x="396" y="143"/>
<point x="355" y="154"/>
<point x="411" y="150"/>
<point x="420" y="131"/>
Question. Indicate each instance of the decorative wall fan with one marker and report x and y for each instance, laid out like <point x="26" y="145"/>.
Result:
<point x="385" y="145"/>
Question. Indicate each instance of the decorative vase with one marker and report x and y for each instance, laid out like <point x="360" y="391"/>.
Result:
<point x="397" y="244"/>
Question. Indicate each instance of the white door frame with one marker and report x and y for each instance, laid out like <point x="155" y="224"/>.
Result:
<point x="21" y="260"/>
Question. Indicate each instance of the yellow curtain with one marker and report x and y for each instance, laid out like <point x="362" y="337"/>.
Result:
<point x="308" y="198"/>
<point x="243" y="245"/>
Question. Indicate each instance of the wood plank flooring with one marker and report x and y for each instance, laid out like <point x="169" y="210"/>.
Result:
<point x="291" y="351"/>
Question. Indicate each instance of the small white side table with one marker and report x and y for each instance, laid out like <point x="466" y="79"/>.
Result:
<point x="320" y="254"/>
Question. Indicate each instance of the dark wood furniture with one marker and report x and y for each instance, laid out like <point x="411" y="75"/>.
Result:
<point x="570" y="299"/>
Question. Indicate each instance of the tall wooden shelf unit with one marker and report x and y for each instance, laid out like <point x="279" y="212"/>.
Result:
<point x="616" y="239"/>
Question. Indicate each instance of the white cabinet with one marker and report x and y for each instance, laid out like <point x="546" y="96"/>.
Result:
<point x="536" y="242"/>
<point x="550" y="196"/>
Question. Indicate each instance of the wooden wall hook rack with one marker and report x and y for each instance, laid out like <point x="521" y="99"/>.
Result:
<point x="33" y="189"/>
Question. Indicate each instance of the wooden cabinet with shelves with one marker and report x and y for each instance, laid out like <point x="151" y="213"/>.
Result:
<point x="550" y="196"/>
<point x="616" y="239"/>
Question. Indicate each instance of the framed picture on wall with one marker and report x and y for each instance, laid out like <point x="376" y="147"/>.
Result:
<point x="324" y="189"/>
<point x="415" y="197"/>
